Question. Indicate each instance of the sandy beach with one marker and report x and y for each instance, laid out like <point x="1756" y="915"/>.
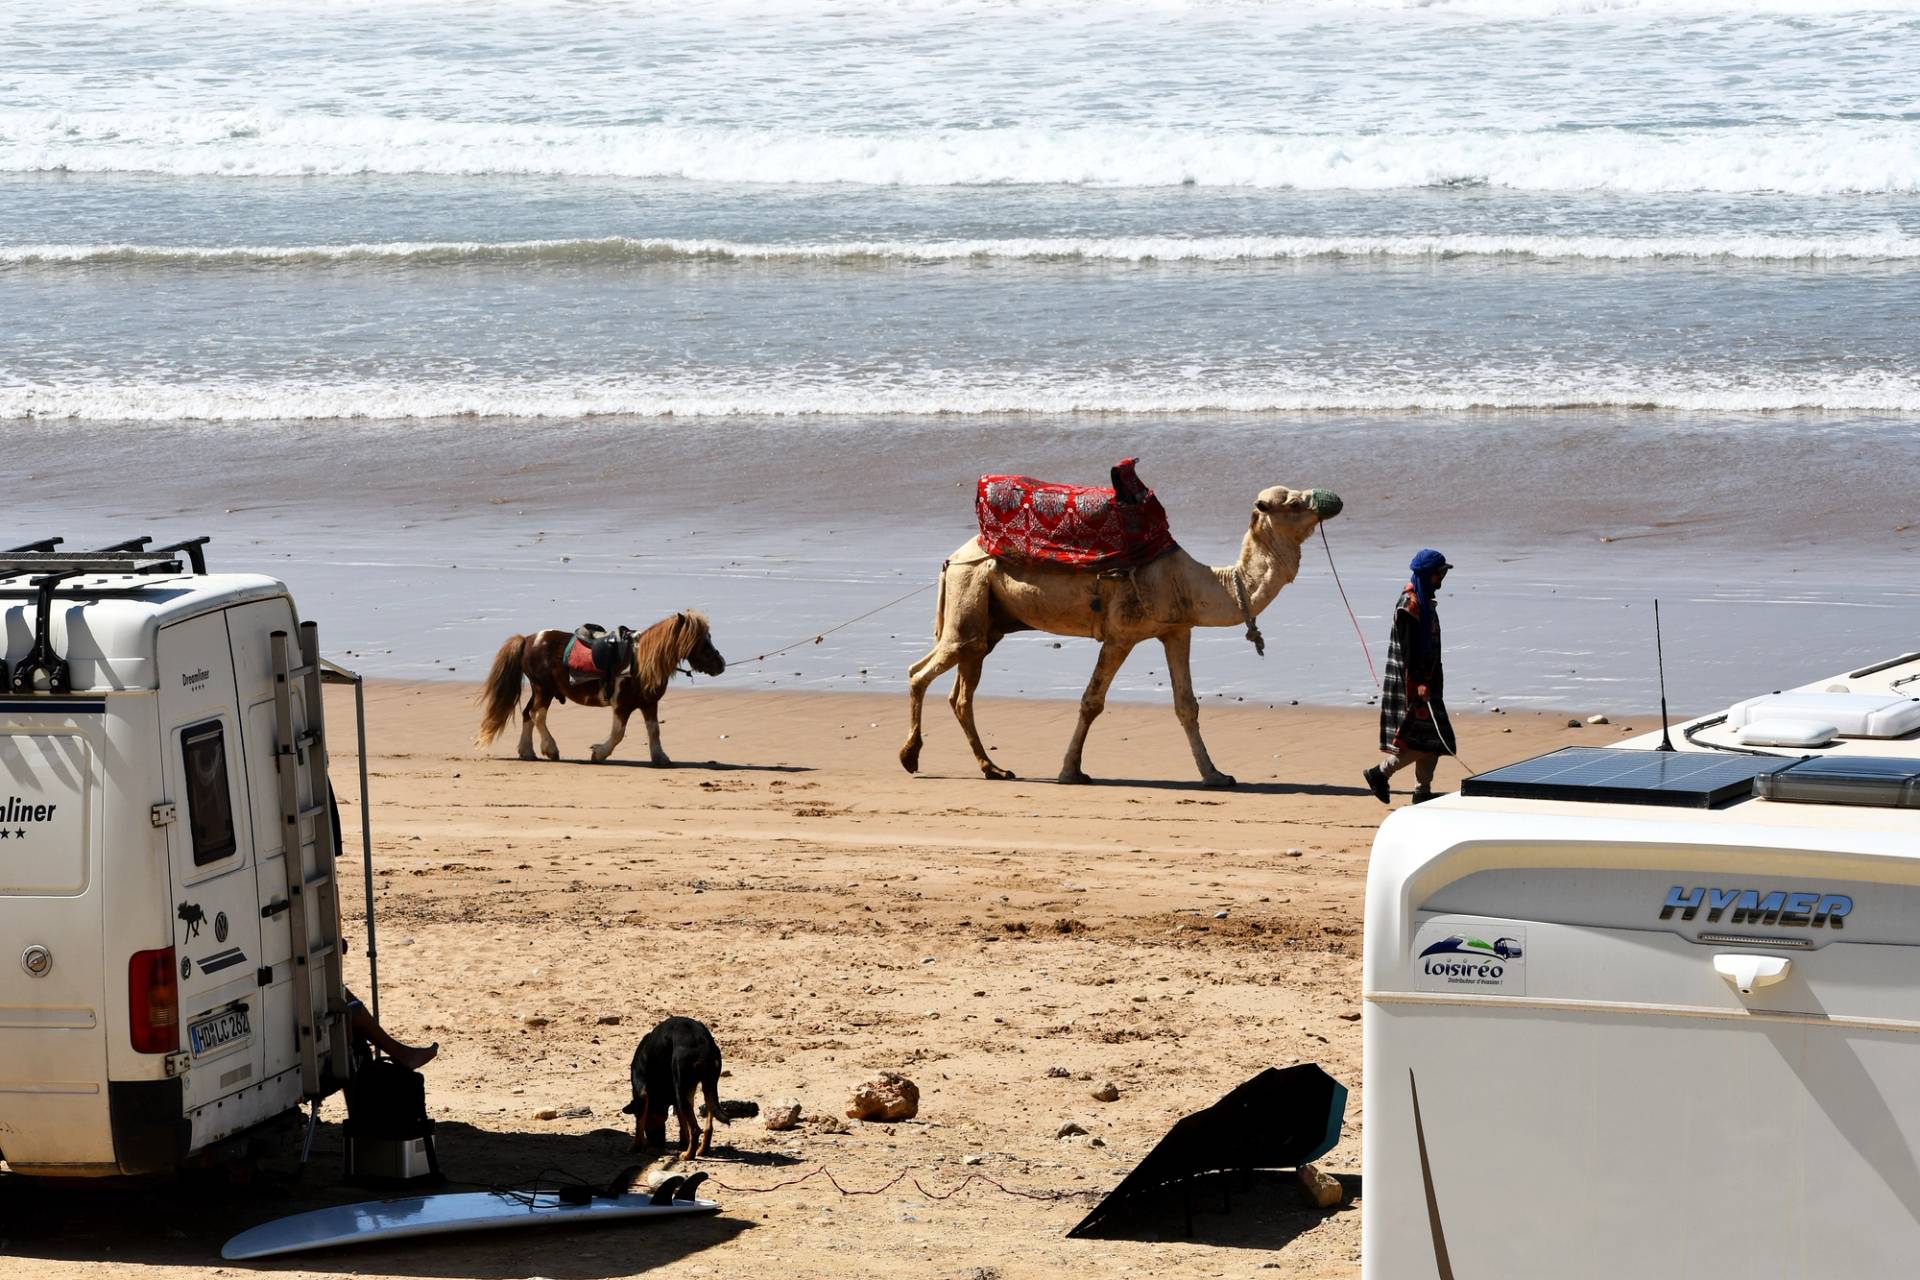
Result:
<point x="830" y="917"/>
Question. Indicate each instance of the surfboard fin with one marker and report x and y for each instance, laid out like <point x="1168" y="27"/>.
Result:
<point x="623" y="1182"/>
<point x="664" y="1193"/>
<point x="690" y="1188"/>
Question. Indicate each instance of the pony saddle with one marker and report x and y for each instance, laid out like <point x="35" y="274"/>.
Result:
<point x="596" y="653"/>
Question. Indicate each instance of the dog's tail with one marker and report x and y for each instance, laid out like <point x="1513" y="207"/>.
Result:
<point x="501" y="691"/>
<point x="710" y="1089"/>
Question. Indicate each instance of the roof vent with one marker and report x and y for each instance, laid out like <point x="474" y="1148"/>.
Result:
<point x="1886" y="782"/>
<point x="1783" y="732"/>
<point x="1853" y="715"/>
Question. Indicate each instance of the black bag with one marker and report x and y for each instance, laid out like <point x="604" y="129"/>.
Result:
<point x="389" y="1139"/>
<point x="387" y="1101"/>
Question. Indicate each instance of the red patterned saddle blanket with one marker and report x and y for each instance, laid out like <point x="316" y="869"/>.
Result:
<point x="1074" y="525"/>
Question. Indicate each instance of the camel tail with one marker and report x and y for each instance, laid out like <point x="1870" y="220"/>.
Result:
<point x="501" y="691"/>
<point x="940" y="602"/>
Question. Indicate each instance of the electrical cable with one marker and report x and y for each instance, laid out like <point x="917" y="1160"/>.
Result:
<point x="905" y="1174"/>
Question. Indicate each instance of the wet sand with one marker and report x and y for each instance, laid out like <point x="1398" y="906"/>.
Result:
<point x="830" y="917"/>
<point x="1780" y="545"/>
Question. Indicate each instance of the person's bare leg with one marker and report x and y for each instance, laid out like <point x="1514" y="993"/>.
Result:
<point x="410" y="1056"/>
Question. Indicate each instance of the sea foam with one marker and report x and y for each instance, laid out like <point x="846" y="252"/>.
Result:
<point x="1828" y="157"/>
<point x="1065" y="392"/>
<point x="618" y="250"/>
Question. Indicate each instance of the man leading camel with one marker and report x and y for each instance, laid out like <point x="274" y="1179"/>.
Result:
<point x="1414" y="728"/>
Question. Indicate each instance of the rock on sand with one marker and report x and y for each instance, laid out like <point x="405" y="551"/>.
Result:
<point x="888" y="1096"/>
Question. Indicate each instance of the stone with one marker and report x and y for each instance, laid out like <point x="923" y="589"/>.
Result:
<point x="1107" y="1092"/>
<point x="975" y="1158"/>
<point x="1058" y="1073"/>
<point x="607" y="1020"/>
<point x="1598" y="720"/>
<point x="1322" y="1188"/>
<point x="1573" y="724"/>
<point x="1070" y="1130"/>
<point x="1096" y="1141"/>
<point x="888" y="1096"/>
<point x="546" y="1113"/>
<point x="536" y="1021"/>
<point x="732" y="1109"/>
<point x="783" y="1116"/>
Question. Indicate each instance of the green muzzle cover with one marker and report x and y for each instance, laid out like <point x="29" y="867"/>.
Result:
<point x="1326" y="503"/>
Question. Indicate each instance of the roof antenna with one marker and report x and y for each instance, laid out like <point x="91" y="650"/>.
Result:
<point x="1666" y="743"/>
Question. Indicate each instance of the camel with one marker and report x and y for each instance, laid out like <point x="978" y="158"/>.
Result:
<point x="541" y="659"/>
<point x="982" y="598"/>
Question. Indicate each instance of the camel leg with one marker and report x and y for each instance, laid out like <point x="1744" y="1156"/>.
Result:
<point x="601" y="750"/>
<point x="526" y="728"/>
<point x="922" y="674"/>
<point x="1179" y="647"/>
<point x="655" y="752"/>
<point x="1092" y="703"/>
<point x="548" y="747"/>
<point x="965" y="681"/>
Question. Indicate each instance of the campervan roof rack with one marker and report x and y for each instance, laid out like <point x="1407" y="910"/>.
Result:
<point x="50" y="572"/>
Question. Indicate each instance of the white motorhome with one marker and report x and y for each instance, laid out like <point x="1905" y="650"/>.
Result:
<point x="169" y="975"/>
<point x="1631" y="1011"/>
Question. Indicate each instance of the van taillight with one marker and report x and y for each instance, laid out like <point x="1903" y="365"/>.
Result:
<point x="153" y="1002"/>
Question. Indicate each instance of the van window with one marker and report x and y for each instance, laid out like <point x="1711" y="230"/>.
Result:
<point x="203" y="749"/>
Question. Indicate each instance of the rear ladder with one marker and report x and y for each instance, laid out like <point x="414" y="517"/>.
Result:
<point x="319" y="1001"/>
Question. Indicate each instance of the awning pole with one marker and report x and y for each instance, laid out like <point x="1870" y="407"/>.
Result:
<point x="366" y="844"/>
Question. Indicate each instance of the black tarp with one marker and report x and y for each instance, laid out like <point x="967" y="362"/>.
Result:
<point x="1280" y="1119"/>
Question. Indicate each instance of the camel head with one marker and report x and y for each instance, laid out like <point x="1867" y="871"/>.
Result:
<point x="1293" y="514"/>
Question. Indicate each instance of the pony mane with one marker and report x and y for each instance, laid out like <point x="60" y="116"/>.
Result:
<point x="661" y="648"/>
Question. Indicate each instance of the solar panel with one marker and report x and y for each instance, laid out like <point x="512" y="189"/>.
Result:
<point x="1682" y="779"/>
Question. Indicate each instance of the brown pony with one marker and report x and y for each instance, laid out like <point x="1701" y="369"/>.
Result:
<point x="541" y="658"/>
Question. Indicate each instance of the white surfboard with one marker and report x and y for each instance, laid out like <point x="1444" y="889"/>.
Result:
<point x="440" y="1215"/>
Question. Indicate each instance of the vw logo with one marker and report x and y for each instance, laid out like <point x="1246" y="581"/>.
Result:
<point x="220" y="927"/>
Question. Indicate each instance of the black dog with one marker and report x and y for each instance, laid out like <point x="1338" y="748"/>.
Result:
<point x="673" y="1060"/>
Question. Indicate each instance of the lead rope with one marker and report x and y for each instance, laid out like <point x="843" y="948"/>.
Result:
<point x="1350" y="615"/>
<point x="1258" y="641"/>
<point x="818" y="637"/>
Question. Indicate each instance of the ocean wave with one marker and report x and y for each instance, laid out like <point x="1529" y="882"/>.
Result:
<point x="1810" y="159"/>
<point x="617" y="250"/>
<point x="1064" y="394"/>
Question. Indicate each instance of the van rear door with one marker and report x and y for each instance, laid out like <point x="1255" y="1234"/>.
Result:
<point x="53" y="1060"/>
<point x="216" y="905"/>
<point x="249" y="630"/>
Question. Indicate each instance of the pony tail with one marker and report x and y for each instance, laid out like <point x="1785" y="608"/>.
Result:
<point x="501" y="691"/>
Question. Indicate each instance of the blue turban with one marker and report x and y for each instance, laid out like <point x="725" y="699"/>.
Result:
<point x="1425" y="562"/>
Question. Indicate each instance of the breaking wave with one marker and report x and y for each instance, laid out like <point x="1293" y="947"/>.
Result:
<point x="1878" y="156"/>
<point x="616" y="250"/>
<point x="1065" y="393"/>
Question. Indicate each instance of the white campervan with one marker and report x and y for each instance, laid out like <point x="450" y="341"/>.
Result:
<point x="1635" y="1011"/>
<point x="169" y="976"/>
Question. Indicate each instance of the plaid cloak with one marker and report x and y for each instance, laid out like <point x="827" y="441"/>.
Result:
<point x="1406" y="722"/>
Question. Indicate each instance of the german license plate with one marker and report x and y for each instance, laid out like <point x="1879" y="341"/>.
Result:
<point x="219" y="1031"/>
